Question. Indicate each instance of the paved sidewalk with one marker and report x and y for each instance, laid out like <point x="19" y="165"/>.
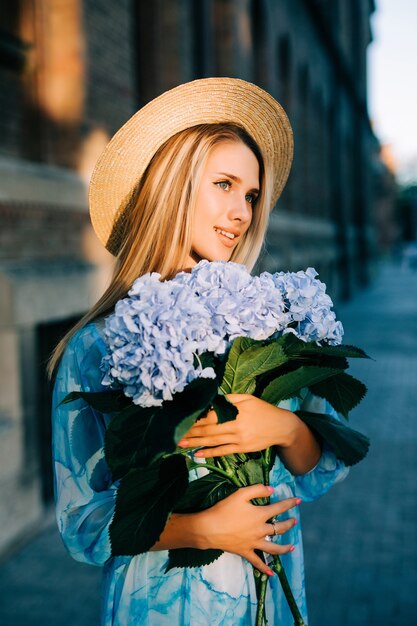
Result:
<point x="360" y="539"/>
<point x="42" y="585"/>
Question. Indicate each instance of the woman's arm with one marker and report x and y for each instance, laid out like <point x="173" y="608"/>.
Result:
<point x="232" y="525"/>
<point x="300" y="451"/>
<point x="258" y="425"/>
<point x="84" y="491"/>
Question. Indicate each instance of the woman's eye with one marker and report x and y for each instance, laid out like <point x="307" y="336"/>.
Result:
<point x="223" y="184"/>
<point x="251" y="198"/>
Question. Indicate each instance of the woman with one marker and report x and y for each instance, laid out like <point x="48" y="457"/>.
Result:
<point x="191" y="176"/>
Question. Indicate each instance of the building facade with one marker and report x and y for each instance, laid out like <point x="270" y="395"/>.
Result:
<point x="72" y="72"/>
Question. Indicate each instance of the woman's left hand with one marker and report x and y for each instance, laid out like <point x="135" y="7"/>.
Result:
<point x="258" y="425"/>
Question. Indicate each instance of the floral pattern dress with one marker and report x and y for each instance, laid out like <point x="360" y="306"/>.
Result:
<point x="136" y="591"/>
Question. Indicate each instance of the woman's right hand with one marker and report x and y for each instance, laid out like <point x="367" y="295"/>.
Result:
<point x="238" y="526"/>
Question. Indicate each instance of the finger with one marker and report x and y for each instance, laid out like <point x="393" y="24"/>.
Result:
<point x="256" y="491"/>
<point x="209" y="418"/>
<point x="209" y="442"/>
<point x="275" y="548"/>
<point x="209" y="430"/>
<point x="281" y="506"/>
<point x="218" y="451"/>
<point x="280" y="527"/>
<point x="258" y="564"/>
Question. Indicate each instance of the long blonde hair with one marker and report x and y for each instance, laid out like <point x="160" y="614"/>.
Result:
<point x="156" y="225"/>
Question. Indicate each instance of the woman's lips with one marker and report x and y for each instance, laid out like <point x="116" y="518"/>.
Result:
<point x="226" y="241"/>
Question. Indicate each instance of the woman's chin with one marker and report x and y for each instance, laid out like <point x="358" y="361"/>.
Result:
<point x="196" y="257"/>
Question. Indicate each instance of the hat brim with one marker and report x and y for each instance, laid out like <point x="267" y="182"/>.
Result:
<point x="203" y="101"/>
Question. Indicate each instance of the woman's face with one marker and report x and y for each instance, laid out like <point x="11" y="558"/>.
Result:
<point x="225" y="201"/>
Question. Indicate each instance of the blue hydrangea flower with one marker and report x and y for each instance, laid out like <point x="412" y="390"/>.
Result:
<point x="239" y="304"/>
<point x="154" y="336"/>
<point x="308" y="305"/>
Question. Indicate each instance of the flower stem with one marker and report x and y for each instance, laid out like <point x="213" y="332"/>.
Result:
<point x="267" y="456"/>
<point x="224" y="390"/>
<point x="218" y="470"/>
<point x="279" y="570"/>
<point x="266" y="461"/>
<point x="228" y="469"/>
<point x="260" y="611"/>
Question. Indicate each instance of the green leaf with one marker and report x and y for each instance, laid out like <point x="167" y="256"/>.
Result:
<point x="204" y="492"/>
<point x="250" y="472"/>
<point x="123" y="438"/>
<point x="144" y="501"/>
<point x="191" y="557"/>
<point x="294" y="346"/>
<point x="343" y="392"/>
<point x="295" y="363"/>
<point x="137" y="436"/>
<point x="324" y="360"/>
<point x="288" y="385"/>
<point x="234" y="460"/>
<point x="225" y="410"/>
<point x="207" y="359"/>
<point x="349" y="445"/>
<point x="240" y="344"/>
<point x="249" y="359"/>
<point x="255" y="361"/>
<point x="186" y="407"/>
<point x="109" y="401"/>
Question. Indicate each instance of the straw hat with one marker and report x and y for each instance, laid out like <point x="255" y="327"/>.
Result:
<point x="204" y="101"/>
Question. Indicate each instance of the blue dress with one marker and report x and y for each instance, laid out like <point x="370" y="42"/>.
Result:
<point x="136" y="591"/>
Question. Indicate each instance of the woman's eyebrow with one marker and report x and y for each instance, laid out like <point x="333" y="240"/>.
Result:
<point x="236" y="179"/>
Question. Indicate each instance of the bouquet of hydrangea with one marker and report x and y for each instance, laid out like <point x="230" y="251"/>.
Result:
<point x="175" y="349"/>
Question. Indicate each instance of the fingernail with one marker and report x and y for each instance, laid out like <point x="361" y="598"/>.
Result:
<point x="270" y="572"/>
<point x="292" y="549"/>
<point x="298" y="501"/>
<point x="199" y="453"/>
<point x="295" y="522"/>
<point x="271" y="489"/>
<point x="183" y="442"/>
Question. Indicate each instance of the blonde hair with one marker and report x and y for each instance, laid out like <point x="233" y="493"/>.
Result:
<point x="156" y="224"/>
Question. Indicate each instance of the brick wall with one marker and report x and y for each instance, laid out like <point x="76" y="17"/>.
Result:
<point x="29" y="231"/>
<point x="11" y="107"/>
<point x="110" y="73"/>
<point x="11" y="82"/>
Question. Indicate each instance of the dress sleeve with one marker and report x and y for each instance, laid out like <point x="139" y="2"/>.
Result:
<point x="329" y="470"/>
<point x="84" y="492"/>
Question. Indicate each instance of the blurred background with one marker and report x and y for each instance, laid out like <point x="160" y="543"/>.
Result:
<point x="71" y="73"/>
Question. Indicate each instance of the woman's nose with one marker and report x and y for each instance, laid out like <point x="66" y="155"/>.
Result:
<point x="240" y="209"/>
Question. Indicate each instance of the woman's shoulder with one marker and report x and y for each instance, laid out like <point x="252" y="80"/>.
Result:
<point x="79" y="367"/>
<point x="86" y="348"/>
<point x="89" y="336"/>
